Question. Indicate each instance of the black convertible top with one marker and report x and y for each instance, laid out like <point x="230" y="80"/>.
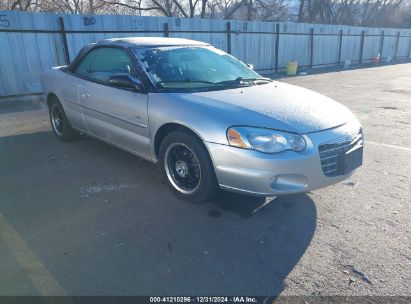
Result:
<point x="132" y="42"/>
<point x="149" y="41"/>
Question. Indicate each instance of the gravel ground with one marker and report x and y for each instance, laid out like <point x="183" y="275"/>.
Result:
<point x="84" y="218"/>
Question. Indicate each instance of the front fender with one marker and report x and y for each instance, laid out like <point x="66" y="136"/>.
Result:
<point x="208" y="123"/>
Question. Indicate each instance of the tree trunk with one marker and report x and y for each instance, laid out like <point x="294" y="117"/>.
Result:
<point x="301" y="11"/>
<point x="203" y="8"/>
<point x="91" y="6"/>
<point x="250" y="10"/>
<point x="192" y="8"/>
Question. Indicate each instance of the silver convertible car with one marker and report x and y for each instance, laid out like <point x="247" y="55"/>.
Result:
<point x="206" y="118"/>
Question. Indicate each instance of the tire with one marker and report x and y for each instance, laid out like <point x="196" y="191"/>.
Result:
<point x="59" y="123"/>
<point x="187" y="168"/>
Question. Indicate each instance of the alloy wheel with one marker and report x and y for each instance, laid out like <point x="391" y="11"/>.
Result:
<point x="57" y="119"/>
<point x="182" y="168"/>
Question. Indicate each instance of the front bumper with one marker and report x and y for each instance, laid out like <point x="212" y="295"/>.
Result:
<point x="253" y="172"/>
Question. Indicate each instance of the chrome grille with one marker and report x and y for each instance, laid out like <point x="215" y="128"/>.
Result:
<point x="332" y="151"/>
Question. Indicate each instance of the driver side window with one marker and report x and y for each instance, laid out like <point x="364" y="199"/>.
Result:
<point x="102" y="63"/>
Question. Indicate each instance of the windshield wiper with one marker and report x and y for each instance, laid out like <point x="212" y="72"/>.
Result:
<point x="244" y="81"/>
<point x="185" y="81"/>
<point x="260" y="80"/>
<point x="239" y="81"/>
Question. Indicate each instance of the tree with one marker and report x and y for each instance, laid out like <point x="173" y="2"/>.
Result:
<point x="382" y="13"/>
<point x="20" y="5"/>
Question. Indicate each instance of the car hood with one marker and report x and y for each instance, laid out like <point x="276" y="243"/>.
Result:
<point x="276" y="105"/>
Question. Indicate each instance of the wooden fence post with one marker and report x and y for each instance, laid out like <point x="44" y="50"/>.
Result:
<point x="64" y="39"/>
<point x="229" y="37"/>
<point x="166" y="31"/>
<point x="311" y="47"/>
<point x="396" y="45"/>
<point x="362" y="46"/>
<point x="277" y="46"/>
<point x="340" y="46"/>
<point x="381" y="45"/>
<point x="409" y="50"/>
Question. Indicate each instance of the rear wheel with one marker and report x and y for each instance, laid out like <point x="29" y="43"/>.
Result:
<point x="59" y="122"/>
<point x="187" y="167"/>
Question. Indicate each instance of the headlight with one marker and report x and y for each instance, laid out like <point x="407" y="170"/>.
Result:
<point x="264" y="140"/>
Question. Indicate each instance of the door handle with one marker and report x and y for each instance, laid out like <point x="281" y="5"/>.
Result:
<point x="84" y="95"/>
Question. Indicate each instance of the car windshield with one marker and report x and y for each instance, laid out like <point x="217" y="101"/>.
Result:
<point x="195" y="67"/>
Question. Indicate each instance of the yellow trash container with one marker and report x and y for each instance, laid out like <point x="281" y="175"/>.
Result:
<point x="292" y="68"/>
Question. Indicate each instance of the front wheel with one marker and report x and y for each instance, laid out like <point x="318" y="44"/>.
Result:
<point x="187" y="167"/>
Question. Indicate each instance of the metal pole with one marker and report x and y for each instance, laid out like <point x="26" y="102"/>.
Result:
<point x="340" y="46"/>
<point x="277" y="46"/>
<point x="166" y="32"/>
<point x="228" y="37"/>
<point x="381" y="45"/>
<point x="311" y="46"/>
<point x="396" y="45"/>
<point x="361" y="46"/>
<point x="64" y="39"/>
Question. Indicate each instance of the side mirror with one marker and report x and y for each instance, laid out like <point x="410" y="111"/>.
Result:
<point x="124" y="81"/>
<point x="250" y="66"/>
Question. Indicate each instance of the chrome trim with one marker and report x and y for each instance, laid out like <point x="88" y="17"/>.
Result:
<point x="329" y="164"/>
<point x="115" y="116"/>
<point x="324" y="158"/>
<point x="238" y="190"/>
<point x="336" y="147"/>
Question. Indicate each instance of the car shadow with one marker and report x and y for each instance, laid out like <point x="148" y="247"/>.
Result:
<point x="244" y="206"/>
<point x="103" y="223"/>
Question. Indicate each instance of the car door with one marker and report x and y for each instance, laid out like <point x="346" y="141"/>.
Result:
<point x="72" y="90"/>
<point x="114" y="114"/>
<point x="71" y="104"/>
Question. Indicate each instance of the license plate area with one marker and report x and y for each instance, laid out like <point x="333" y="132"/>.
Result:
<point x="351" y="160"/>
